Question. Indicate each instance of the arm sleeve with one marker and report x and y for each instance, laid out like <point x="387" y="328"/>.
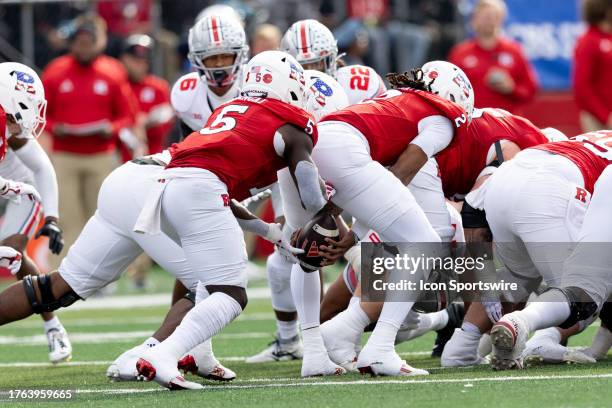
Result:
<point x="586" y="98"/>
<point x="435" y="133"/>
<point x="525" y="82"/>
<point x="35" y="158"/>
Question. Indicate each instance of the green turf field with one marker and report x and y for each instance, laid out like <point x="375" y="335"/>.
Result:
<point x="99" y="335"/>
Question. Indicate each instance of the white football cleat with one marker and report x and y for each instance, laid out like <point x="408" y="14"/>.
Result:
<point x="163" y="370"/>
<point x="210" y="369"/>
<point x="341" y="347"/>
<point x="508" y="337"/>
<point x="385" y="363"/>
<point x="545" y="350"/>
<point x="124" y="366"/>
<point x="320" y="365"/>
<point x="461" y="350"/>
<point x="280" y="350"/>
<point x="60" y="349"/>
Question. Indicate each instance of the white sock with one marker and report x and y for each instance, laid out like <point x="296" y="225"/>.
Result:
<point x="383" y="336"/>
<point x="601" y="343"/>
<point x="470" y="328"/>
<point x="551" y="333"/>
<point x="306" y="290"/>
<point x="354" y="299"/>
<point x="313" y="342"/>
<point x="352" y="321"/>
<point x="52" y="324"/>
<point x="203" y="321"/>
<point x="204" y="356"/>
<point x="433" y="321"/>
<point x="287" y="330"/>
<point x="427" y="323"/>
<point x="550" y="309"/>
<point x="150" y="342"/>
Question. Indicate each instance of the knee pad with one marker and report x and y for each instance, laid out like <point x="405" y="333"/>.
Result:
<point x="582" y="306"/>
<point x="472" y="217"/>
<point x="279" y="280"/>
<point x="48" y="302"/>
<point x="235" y="292"/>
<point x="190" y="296"/>
<point x="606" y="315"/>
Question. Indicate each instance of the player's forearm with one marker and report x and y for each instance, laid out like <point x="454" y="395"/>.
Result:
<point x="409" y="164"/>
<point x="35" y="158"/>
<point x="247" y="220"/>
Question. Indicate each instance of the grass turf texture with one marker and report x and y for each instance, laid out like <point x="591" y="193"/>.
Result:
<point x="101" y="335"/>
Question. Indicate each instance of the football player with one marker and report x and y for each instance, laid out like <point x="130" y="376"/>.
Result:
<point x="217" y="50"/>
<point x="578" y="172"/>
<point x="325" y="95"/>
<point x="377" y="198"/>
<point x="265" y="130"/>
<point x="23" y="100"/>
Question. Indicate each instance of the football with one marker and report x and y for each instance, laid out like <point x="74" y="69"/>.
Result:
<point x="312" y="236"/>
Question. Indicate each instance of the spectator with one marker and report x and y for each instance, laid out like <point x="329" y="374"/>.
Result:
<point x="265" y="38"/>
<point x="89" y="102"/>
<point x="593" y="69"/>
<point x="156" y="115"/>
<point x="123" y="18"/>
<point x="352" y="40"/>
<point x="499" y="71"/>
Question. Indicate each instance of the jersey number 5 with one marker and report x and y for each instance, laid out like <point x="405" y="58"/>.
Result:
<point x="224" y="122"/>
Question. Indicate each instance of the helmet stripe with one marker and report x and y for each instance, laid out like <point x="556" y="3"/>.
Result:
<point x="303" y="38"/>
<point x="215" y="30"/>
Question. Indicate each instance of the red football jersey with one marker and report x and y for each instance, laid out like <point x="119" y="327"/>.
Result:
<point x="390" y="122"/>
<point x="590" y="152"/>
<point x="238" y="144"/>
<point x="466" y="156"/>
<point x="3" y="144"/>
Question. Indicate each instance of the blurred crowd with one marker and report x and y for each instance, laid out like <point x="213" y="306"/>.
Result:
<point x="127" y="112"/>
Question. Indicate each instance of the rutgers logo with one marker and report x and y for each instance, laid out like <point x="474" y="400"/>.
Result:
<point x="581" y="194"/>
<point x="226" y="200"/>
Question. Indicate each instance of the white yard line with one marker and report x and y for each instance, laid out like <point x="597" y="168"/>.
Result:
<point x="138" y="301"/>
<point x="317" y="383"/>
<point x="114" y="337"/>
<point x="97" y="321"/>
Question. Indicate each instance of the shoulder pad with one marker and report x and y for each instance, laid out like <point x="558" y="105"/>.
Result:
<point x="184" y="91"/>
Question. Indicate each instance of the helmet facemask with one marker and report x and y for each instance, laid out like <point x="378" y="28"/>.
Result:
<point x="219" y="76"/>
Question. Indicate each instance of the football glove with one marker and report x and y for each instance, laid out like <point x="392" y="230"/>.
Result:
<point x="54" y="232"/>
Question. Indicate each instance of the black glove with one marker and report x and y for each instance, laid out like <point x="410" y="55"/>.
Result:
<point x="54" y="232"/>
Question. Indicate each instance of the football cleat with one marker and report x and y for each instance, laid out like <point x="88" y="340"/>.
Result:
<point x="508" y="337"/>
<point x="280" y="350"/>
<point x="385" y="363"/>
<point x="545" y="350"/>
<point x="163" y="372"/>
<point x="214" y="371"/>
<point x="456" y="311"/>
<point x="340" y="346"/>
<point x="124" y="366"/>
<point x="60" y="349"/>
<point x="319" y="364"/>
<point x="461" y="350"/>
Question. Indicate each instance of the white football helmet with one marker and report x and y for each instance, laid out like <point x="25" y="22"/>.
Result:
<point x="275" y="74"/>
<point x="324" y="94"/>
<point x="450" y="82"/>
<point x="220" y="10"/>
<point x="214" y="35"/>
<point x="22" y="96"/>
<point x="310" y="42"/>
